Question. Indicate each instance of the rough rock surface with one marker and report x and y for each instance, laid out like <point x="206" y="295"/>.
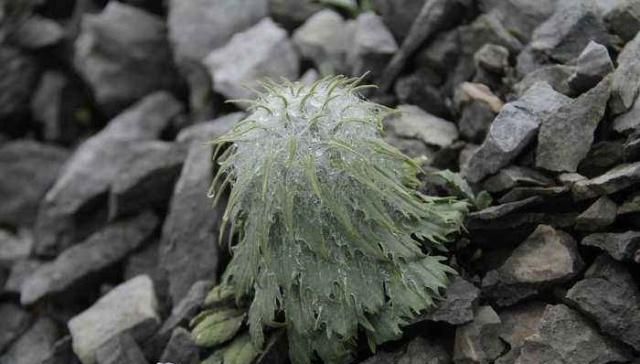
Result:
<point x="478" y="341"/>
<point x="599" y="215"/>
<point x="13" y="322"/>
<point x="460" y="302"/>
<point x="625" y="84"/>
<point x="620" y="246"/>
<point x="618" y="178"/>
<point x="593" y="65"/>
<point x="413" y="123"/>
<point x="120" y="349"/>
<point x="35" y="345"/>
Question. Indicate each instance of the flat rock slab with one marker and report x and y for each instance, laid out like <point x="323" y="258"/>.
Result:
<point x="414" y="123"/>
<point x="618" y="178"/>
<point x="129" y="308"/>
<point x="620" y="246"/>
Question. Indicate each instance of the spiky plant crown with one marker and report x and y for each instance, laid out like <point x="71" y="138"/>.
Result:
<point x="328" y="225"/>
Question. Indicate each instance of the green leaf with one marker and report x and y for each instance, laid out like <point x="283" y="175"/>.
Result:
<point x="217" y="327"/>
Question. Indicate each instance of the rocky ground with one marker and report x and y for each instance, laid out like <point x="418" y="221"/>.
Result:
<point x="108" y="244"/>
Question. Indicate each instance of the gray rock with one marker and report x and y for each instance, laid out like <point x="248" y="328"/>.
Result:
<point x="557" y="76"/>
<point x="35" y="345"/>
<point x="513" y="176"/>
<point x="130" y="307"/>
<point x="475" y="121"/>
<point x="207" y="131"/>
<point x="441" y="52"/>
<point x="566" y="337"/>
<point x="417" y="89"/>
<point x="521" y="17"/>
<point x="498" y="211"/>
<point x="61" y="353"/>
<point x="610" y="296"/>
<point x="460" y="302"/>
<point x="399" y="14"/>
<point x="187" y="308"/>
<point x="598" y="216"/>
<point x="625" y="84"/>
<point x="546" y="257"/>
<point x="14" y="247"/>
<point x="624" y="19"/>
<point x="568" y="31"/>
<point x="13" y="322"/>
<point x="372" y="47"/>
<point x="325" y="38"/>
<point x="517" y="324"/>
<point x="38" y="32"/>
<point x="631" y="148"/>
<point x="512" y="130"/>
<point x="292" y="13"/>
<point x="620" y="246"/>
<point x="493" y="58"/>
<point x="543" y="194"/>
<point x="96" y="163"/>
<point x="616" y="179"/>
<point x="630" y="205"/>
<point x="199" y="26"/>
<point x="419" y="350"/>
<point x="414" y="123"/>
<point x="98" y="252"/>
<point x="148" y="180"/>
<point x="20" y="271"/>
<point x="121" y="349"/>
<point x="263" y="50"/>
<point x="18" y="78"/>
<point x="181" y="348"/>
<point x="566" y="136"/>
<point x="602" y="157"/>
<point x="629" y="121"/>
<point x="33" y="168"/>
<point x="593" y="65"/>
<point x="478" y="341"/>
<point x="124" y="54"/>
<point x="143" y="261"/>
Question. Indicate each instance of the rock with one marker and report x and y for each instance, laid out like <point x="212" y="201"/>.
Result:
<point x="493" y="58"/>
<point x="181" y="348"/>
<point x="416" y="89"/>
<point x="593" y="65"/>
<point x="610" y="296"/>
<point x="99" y="251"/>
<point x="414" y="123"/>
<point x="143" y="261"/>
<point x="513" y="176"/>
<point x="35" y="345"/>
<point x="512" y="130"/>
<point x="569" y="179"/>
<point x="625" y="84"/>
<point x="517" y="324"/>
<point x="263" y="50"/>
<point x="460" y="301"/>
<point x="566" y="136"/>
<point x="124" y="54"/>
<point x="372" y="47"/>
<point x="130" y="307"/>
<point x="616" y="179"/>
<point x="546" y="257"/>
<point x="95" y="165"/>
<point x="292" y="13"/>
<point x="624" y="19"/>
<point x="543" y="194"/>
<point x="470" y="91"/>
<point x="18" y="78"/>
<point x="20" y="271"/>
<point x="568" y="31"/>
<point x="498" y="211"/>
<point x="38" y="32"/>
<point x="398" y="14"/>
<point x="13" y="322"/>
<point x="325" y="38"/>
<point x="557" y="76"/>
<point x="475" y="121"/>
<point x="598" y="216"/>
<point x="566" y="337"/>
<point x="148" y="180"/>
<point x="478" y="341"/>
<point x="419" y="350"/>
<point x="630" y="205"/>
<point x="631" y="148"/>
<point x="207" y="131"/>
<point x="62" y="353"/>
<point x="120" y="349"/>
<point x="33" y="168"/>
<point x="198" y="27"/>
<point x="629" y="121"/>
<point x="521" y="17"/>
<point x="620" y="246"/>
<point x="187" y="308"/>
<point x="14" y="248"/>
<point x="441" y="52"/>
<point x="602" y="157"/>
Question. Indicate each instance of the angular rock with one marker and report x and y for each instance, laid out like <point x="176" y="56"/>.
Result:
<point x="630" y="205"/>
<point x="512" y="130"/>
<point x="181" y="349"/>
<point x="99" y="251"/>
<point x="566" y="337"/>
<point x="399" y="14"/>
<point x="598" y="216"/>
<point x="521" y="17"/>
<point x="625" y="84"/>
<point x="620" y="246"/>
<point x="130" y="307"/>
<point x="325" y="38"/>
<point x="566" y="136"/>
<point x="557" y="76"/>
<point x="460" y="302"/>
<point x="263" y="50"/>
<point x="517" y="324"/>
<point x="207" y="131"/>
<point x="568" y="31"/>
<point x="417" y="89"/>
<point x="546" y="257"/>
<point x="414" y="123"/>
<point x="33" y="168"/>
<point x="13" y="322"/>
<point x="199" y="26"/>
<point x="35" y="345"/>
<point x="61" y="353"/>
<point x="372" y="47"/>
<point x="147" y="181"/>
<point x="18" y="78"/>
<point x="492" y="58"/>
<point x="14" y="248"/>
<point x="19" y="273"/>
<point x="121" y="349"/>
<point x="419" y="350"/>
<point x="95" y="165"/>
<point x="498" y="211"/>
<point x="292" y="13"/>
<point x="478" y="341"/>
<point x="602" y="157"/>
<point x="544" y="194"/>
<point x="475" y="121"/>
<point x="629" y="121"/>
<point x="593" y="65"/>
<point x="124" y="54"/>
<point x="616" y="179"/>
<point x="143" y="261"/>
<point x="470" y="91"/>
<point x="38" y="32"/>
<point x="513" y="176"/>
<point x="610" y="296"/>
<point x="624" y="19"/>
